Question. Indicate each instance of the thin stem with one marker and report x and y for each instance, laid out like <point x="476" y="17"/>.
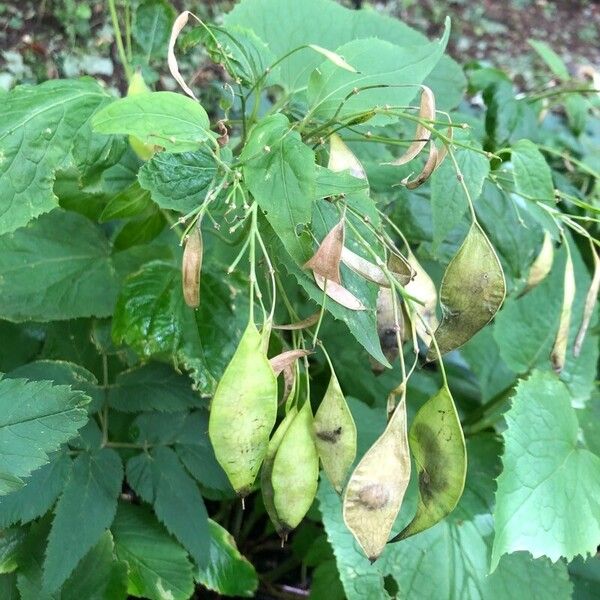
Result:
<point x="461" y="180"/>
<point x="119" y="40"/>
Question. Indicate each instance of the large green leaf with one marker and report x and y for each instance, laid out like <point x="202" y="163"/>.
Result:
<point x="227" y="572"/>
<point x="533" y="178"/>
<point x="178" y="181"/>
<point x="165" y="119"/>
<point x="39" y="126"/>
<point x="84" y="511"/>
<point x="36" y="417"/>
<point x="585" y="576"/>
<point x="152" y="26"/>
<point x="158" y="567"/>
<point x="329" y="86"/>
<point x="160" y="479"/>
<point x="546" y="473"/>
<point x="279" y="170"/>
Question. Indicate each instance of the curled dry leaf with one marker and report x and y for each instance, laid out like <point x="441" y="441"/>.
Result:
<point x="377" y="486"/>
<point x="308" y="322"/>
<point x="178" y="25"/>
<point x="472" y="291"/>
<point x="422" y="134"/>
<point x="326" y="260"/>
<point x="295" y="474"/>
<point x="364" y="267"/>
<point x="423" y="289"/>
<point x="590" y="302"/>
<point x="286" y="359"/>
<point x="243" y="412"/>
<point x="429" y="167"/>
<point x="542" y="265"/>
<point x="333" y="57"/>
<point x="335" y="432"/>
<point x="266" y="485"/>
<point x="339" y="293"/>
<point x="438" y="445"/>
<point x="341" y="158"/>
<point x="191" y="267"/>
<point x="559" y="350"/>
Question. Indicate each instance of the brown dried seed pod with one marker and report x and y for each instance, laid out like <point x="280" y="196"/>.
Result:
<point x="191" y="266"/>
<point x="326" y="260"/>
<point x="339" y="293"/>
<point x="559" y="350"/>
<point x="590" y="302"/>
<point x="428" y="169"/>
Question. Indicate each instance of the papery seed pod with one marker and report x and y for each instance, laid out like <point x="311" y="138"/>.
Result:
<point x="285" y="359"/>
<point x="179" y="23"/>
<point x="374" y="494"/>
<point x="191" y="267"/>
<point x="341" y="158"/>
<point x="364" y="268"/>
<point x="429" y="167"/>
<point x="422" y="134"/>
<point x="326" y="260"/>
<point x="542" y="265"/>
<point x="243" y="412"/>
<point x="559" y="350"/>
<point x="335" y="434"/>
<point x="308" y="322"/>
<point x="590" y="302"/>
<point x="422" y="288"/>
<point x="388" y="329"/>
<point x="401" y="268"/>
<point x="295" y="472"/>
<point x="472" y="291"/>
<point x="339" y="293"/>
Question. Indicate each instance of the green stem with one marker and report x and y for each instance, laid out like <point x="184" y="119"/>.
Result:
<point x="119" y="39"/>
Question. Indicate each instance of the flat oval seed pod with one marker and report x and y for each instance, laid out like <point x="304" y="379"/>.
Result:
<point x="243" y="412"/>
<point x="472" y="291"/>
<point x="428" y="169"/>
<point x="326" y="260"/>
<point x="542" y="265"/>
<point x="422" y="288"/>
<point x="267" y="468"/>
<point x="191" y="266"/>
<point x="295" y="471"/>
<point x="438" y="446"/>
<point x="335" y="433"/>
<point x="559" y="350"/>
<point x="178" y="25"/>
<point x="377" y="486"/>
<point x="590" y="302"/>
<point x="364" y="267"/>
<point x="422" y="134"/>
<point x="339" y="293"/>
<point x="401" y="268"/>
<point x="280" y="362"/>
<point x="308" y="322"/>
<point x="341" y="158"/>
<point x="386" y="325"/>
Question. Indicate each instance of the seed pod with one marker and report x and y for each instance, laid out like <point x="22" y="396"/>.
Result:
<point x="472" y="291"/>
<point x="138" y="86"/>
<point x="590" y="302"/>
<point x="326" y="260"/>
<point x="191" y="267"/>
<point x="308" y="322"/>
<point x="422" y="134"/>
<point x="542" y="265"/>
<point x="422" y="288"/>
<point x="267" y="469"/>
<point x="438" y="445"/>
<point x="285" y="359"/>
<point x="387" y="326"/>
<point x="377" y="486"/>
<point x="559" y="350"/>
<point x="243" y="412"/>
<point x="401" y="268"/>
<point x="429" y="167"/>
<point x="339" y="293"/>
<point x="178" y="25"/>
<point x="295" y="471"/>
<point x="333" y="57"/>
<point x="364" y="267"/>
<point x="341" y="158"/>
<point x="335" y="434"/>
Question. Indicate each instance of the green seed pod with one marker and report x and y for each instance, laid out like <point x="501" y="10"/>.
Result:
<point x="137" y="86"/>
<point x="295" y="471"/>
<point x="267" y="469"/>
<point x="341" y="158"/>
<point x="335" y="434"/>
<point x="542" y="265"/>
<point x="377" y="486"/>
<point x="559" y="350"/>
<point x="422" y="288"/>
<point x="243" y="412"/>
<point x="472" y="291"/>
<point x="438" y="445"/>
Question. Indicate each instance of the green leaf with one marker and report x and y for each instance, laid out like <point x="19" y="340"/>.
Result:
<point x="546" y="473"/>
<point x="60" y="267"/>
<point x="160" y="479"/>
<point x="84" y="511"/>
<point x="227" y="572"/>
<point x="553" y="60"/>
<point x="35" y="419"/>
<point x="38" y="129"/>
<point x="38" y="494"/>
<point x="21" y="344"/>
<point x="130" y="202"/>
<point x="140" y="231"/>
<point x="279" y="170"/>
<point x="334" y="183"/>
<point x="533" y="178"/>
<point x="179" y="181"/>
<point x="585" y="576"/>
<point x="8" y="587"/>
<point x="10" y="542"/>
<point x="329" y="86"/>
<point x="158" y="567"/>
<point x="448" y="199"/>
<point x="165" y="119"/>
<point x="152" y="27"/>
<point x="153" y="386"/>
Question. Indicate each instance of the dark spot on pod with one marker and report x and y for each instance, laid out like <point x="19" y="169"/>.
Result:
<point x="432" y="479"/>
<point x="373" y="496"/>
<point x="330" y="436"/>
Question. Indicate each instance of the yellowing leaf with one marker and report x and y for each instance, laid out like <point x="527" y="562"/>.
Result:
<point x="326" y="260"/>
